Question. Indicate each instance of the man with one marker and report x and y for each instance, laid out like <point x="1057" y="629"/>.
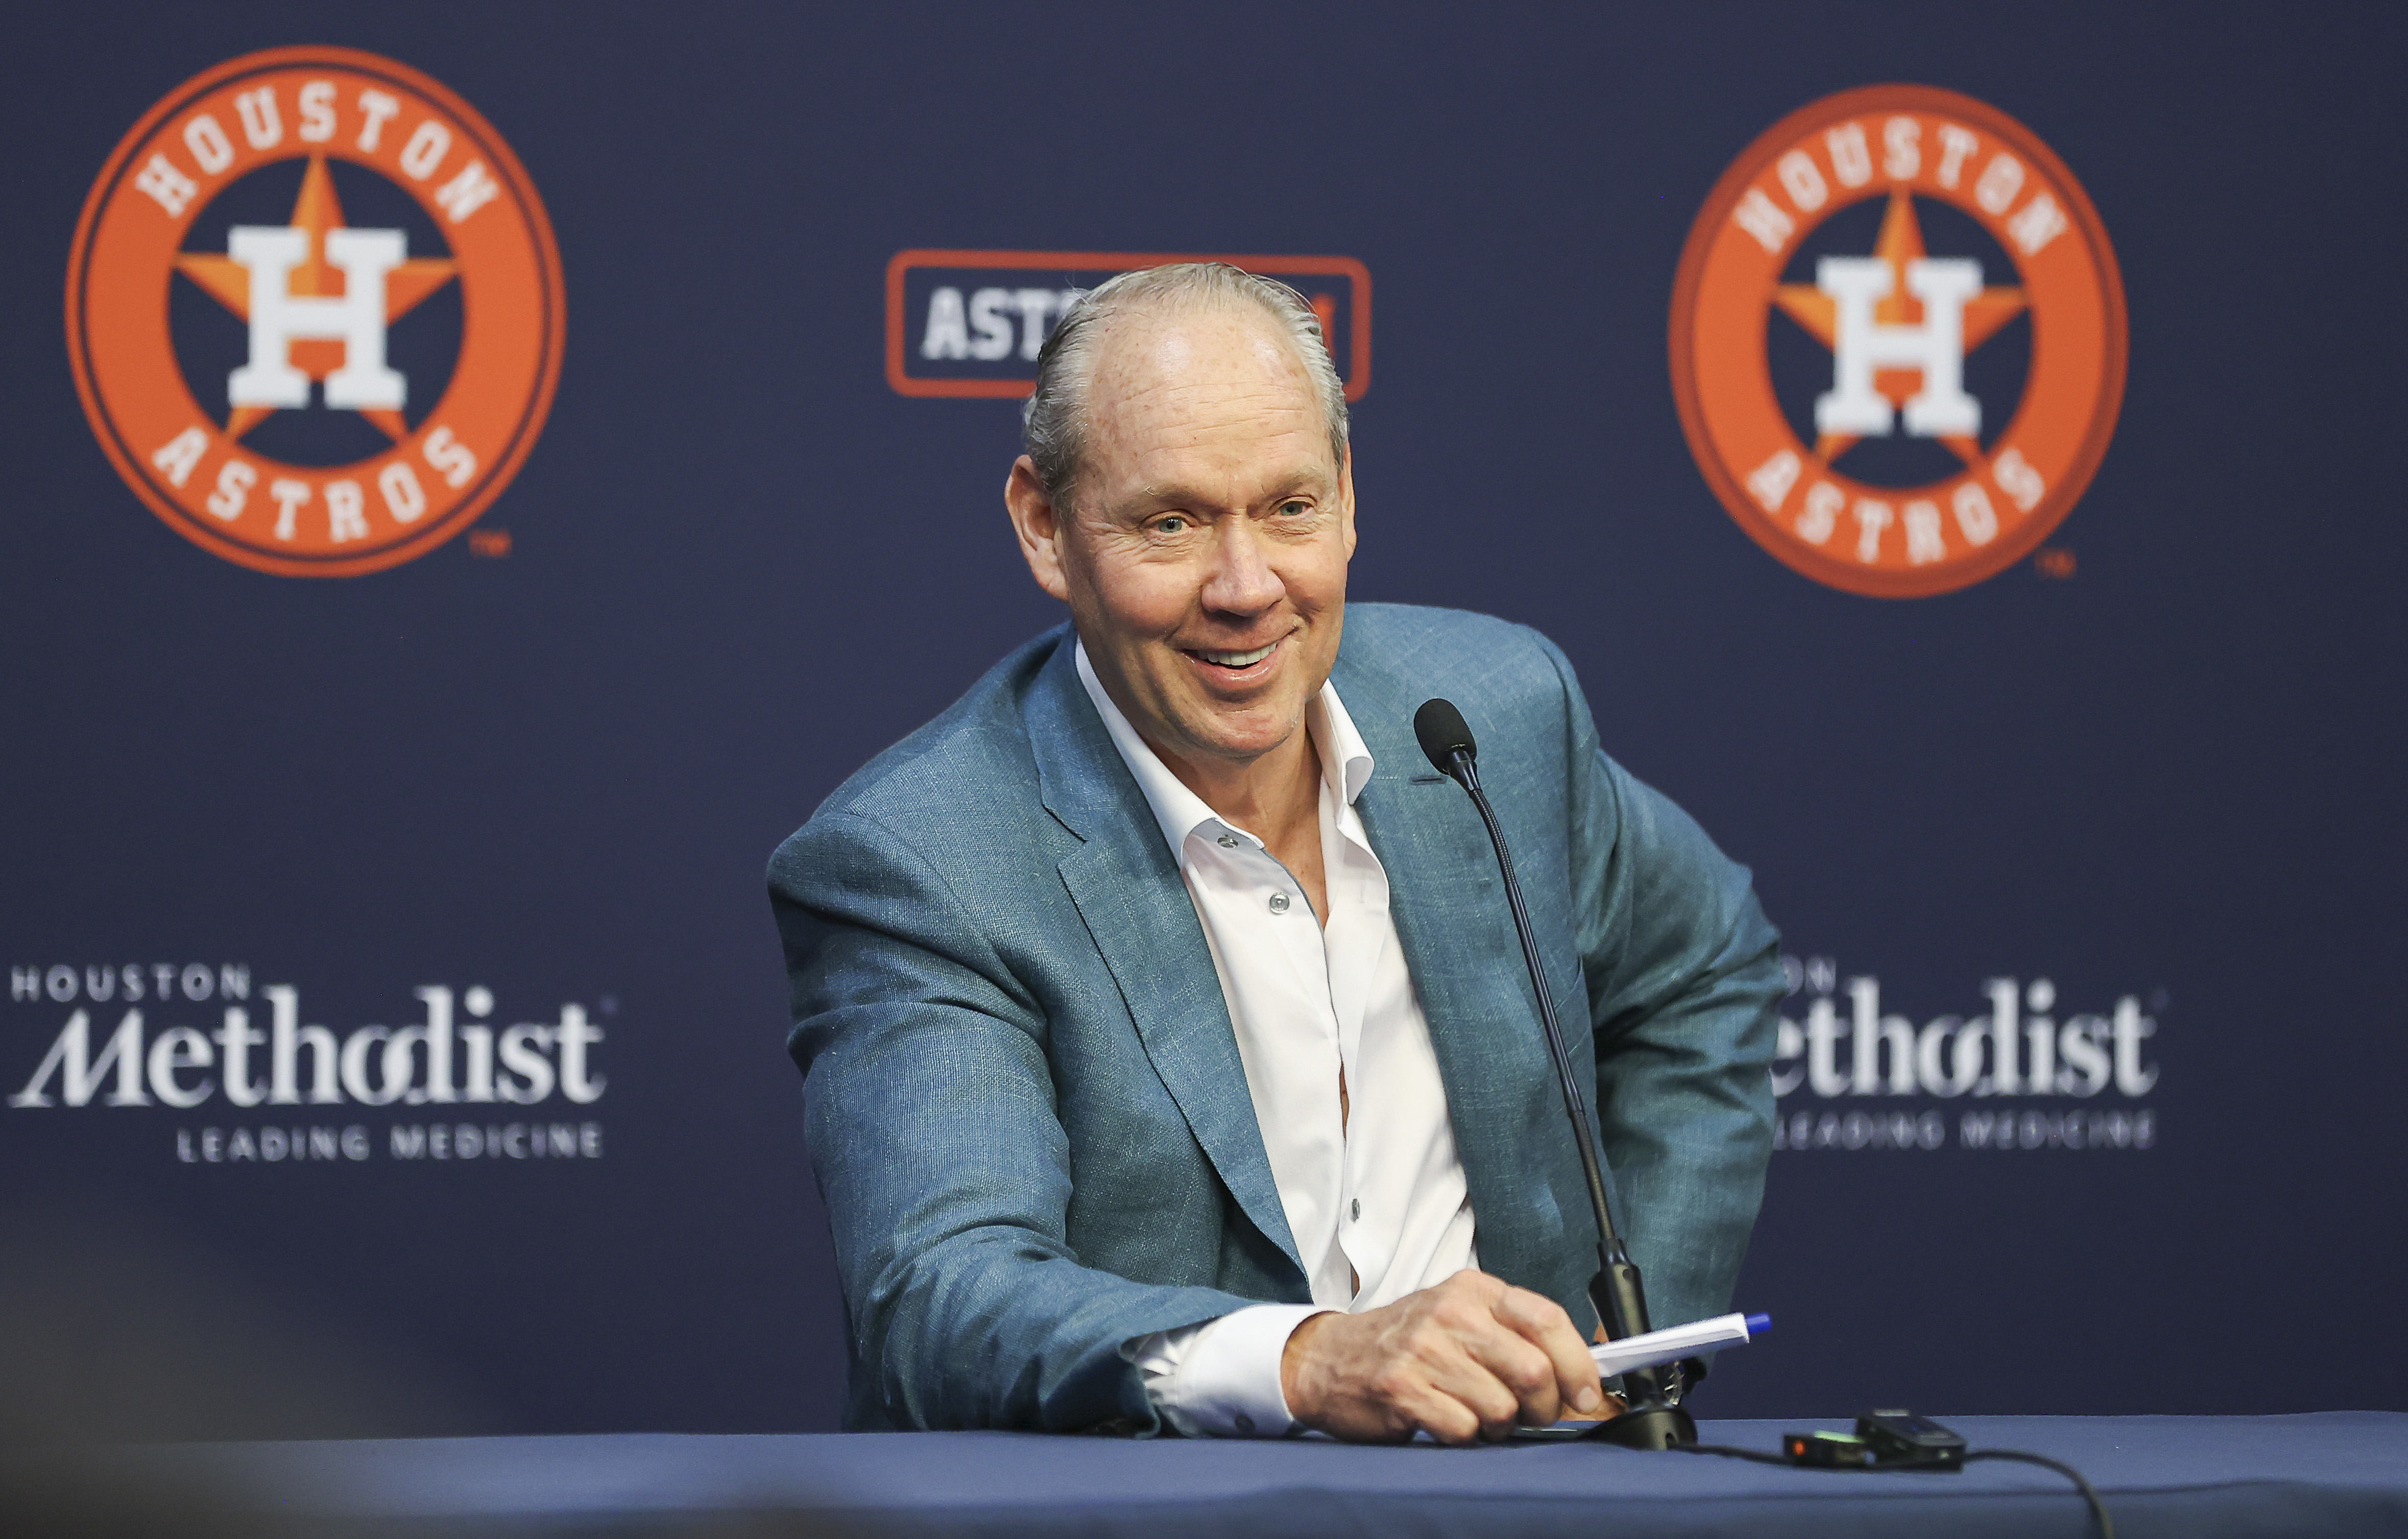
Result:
<point x="1168" y="1053"/>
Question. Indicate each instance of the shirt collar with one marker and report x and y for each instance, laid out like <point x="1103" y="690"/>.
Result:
<point x="1345" y="760"/>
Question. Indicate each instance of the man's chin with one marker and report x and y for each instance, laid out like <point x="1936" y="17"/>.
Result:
<point x="1247" y="737"/>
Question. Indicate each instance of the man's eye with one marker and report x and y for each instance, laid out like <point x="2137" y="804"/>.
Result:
<point x="1171" y="525"/>
<point x="1295" y="506"/>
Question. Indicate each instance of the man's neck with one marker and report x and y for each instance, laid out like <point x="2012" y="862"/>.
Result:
<point x="1275" y="797"/>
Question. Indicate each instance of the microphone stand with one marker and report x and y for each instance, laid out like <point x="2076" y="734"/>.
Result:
<point x="1652" y="1419"/>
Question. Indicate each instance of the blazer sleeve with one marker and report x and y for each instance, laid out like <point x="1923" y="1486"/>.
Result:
<point x="929" y="1115"/>
<point x="1684" y="977"/>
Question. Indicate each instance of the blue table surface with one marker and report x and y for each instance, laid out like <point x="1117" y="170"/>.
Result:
<point x="2330" y="1473"/>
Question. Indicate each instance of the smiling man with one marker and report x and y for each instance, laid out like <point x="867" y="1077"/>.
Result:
<point x="1169" y="1056"/>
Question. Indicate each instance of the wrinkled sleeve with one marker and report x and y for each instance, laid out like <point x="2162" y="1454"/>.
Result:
<point x="1684" y="977"/>
<point x="929" y="1115"/>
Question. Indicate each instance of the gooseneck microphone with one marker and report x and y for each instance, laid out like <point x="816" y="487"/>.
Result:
<point x="1653" y="1420"/>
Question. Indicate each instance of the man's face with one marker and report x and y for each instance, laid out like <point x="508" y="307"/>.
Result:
<point x="1204" y="557"/>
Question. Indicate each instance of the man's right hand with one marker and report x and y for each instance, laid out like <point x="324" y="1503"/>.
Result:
<point x="1470" y="1358"/>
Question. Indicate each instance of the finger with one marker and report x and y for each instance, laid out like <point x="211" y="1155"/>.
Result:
<point x="1540" y="1321"/>
<point x="1446" y="1418"/>
<point x="1501" y="1409"/>
<point x="1465" y="1354"/>
<point x="1499" y="1374"/>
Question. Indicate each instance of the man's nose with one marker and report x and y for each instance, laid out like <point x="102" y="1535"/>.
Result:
<point x="1241" y="581"/>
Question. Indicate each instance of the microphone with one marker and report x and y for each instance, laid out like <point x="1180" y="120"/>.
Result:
<point x="1652" y="1419"/>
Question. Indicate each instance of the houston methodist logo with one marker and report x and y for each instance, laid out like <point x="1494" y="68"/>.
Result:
<point x="268" y="1085"/>
<point x="972" y="323"/>
<point x="1897" y="340"/>
<point x="314" y="311"/>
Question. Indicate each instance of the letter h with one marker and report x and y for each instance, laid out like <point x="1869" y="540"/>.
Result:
<point x="277" y="317"/>
<point x="287" y="1037"/>
<point x="1861" y="344"/>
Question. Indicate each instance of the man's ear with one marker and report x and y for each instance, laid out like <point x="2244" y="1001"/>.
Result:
<point x="1039" y="529"/>
<point x="1346" y="500"/>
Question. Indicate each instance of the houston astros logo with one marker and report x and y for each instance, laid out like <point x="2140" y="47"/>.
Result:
<point x="1897" y="340"/>
<point x="314" y="311"/>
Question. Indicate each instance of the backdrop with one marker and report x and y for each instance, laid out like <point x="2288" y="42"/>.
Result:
<point x="2129" y="803"/>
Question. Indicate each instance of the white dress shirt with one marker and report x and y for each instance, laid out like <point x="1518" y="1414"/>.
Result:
<point x="1375" y="1201"/>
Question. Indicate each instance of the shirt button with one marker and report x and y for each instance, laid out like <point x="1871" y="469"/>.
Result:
<point x="1229" y="841"/>
<point x="1356" y="1211"/>
<point x="1279" y="902"/>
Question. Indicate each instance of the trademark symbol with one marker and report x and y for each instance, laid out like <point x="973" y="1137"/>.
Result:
<point x="2054" y="562"/>
<point x="496" y="543"/>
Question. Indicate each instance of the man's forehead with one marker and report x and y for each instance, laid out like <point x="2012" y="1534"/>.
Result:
<point x="1226" y="453"/>
<point x="1193" y="350"/>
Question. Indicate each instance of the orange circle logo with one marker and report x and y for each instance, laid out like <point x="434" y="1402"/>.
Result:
<point x="1897" y="340"/>
<point x="314" y="311"/>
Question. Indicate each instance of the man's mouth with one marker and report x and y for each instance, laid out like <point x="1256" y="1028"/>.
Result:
<point x="1237" y="662"/>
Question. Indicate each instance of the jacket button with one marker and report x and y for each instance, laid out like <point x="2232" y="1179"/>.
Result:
<point x="1356" y="1211"/>
<point x="1279" y="902"/>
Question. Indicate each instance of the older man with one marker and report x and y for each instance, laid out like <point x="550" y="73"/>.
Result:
<point x="1169" y="1056"/>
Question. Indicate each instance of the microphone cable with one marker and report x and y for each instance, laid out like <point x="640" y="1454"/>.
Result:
<point x="1756" y="1455"/>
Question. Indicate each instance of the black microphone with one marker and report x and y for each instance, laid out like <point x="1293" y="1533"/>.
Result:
<point x="1652" y="1419"/>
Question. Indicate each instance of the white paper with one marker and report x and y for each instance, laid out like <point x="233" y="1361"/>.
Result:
<point x="1668" y="1344"/>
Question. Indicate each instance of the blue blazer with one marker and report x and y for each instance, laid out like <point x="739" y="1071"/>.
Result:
<point x="1023" y="1097"/>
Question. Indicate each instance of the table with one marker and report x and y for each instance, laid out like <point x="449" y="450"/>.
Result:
<point x="2341" y="1472"/>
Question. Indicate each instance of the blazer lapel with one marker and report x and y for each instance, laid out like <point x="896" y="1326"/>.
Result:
<point x="1129" y="891"/>
<point x="1457" y="934"/>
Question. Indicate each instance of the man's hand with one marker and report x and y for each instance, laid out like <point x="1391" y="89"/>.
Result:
<point x="1470" y="1358"/>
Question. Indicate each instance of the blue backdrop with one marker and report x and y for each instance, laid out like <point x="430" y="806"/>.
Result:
<point x="739" y="562"/>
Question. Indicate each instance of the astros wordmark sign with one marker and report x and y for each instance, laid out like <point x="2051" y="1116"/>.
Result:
<point x="1829" y="326"/>
<point x="314" y="311"/>
<point x="972" y="323"/>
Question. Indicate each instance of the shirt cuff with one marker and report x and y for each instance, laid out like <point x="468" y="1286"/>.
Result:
<point x="1222" y="1379"/>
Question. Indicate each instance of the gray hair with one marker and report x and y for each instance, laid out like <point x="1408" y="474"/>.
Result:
<point x="1054" y="421"/>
